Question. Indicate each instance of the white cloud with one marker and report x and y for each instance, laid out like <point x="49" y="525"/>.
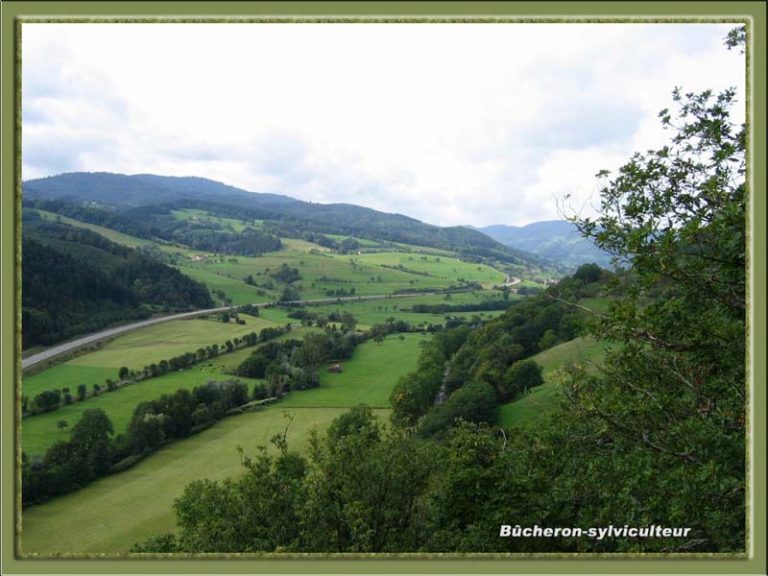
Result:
<point x="450" y="123"/>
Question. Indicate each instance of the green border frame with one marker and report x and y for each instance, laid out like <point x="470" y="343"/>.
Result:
<point x="752" y="11"/>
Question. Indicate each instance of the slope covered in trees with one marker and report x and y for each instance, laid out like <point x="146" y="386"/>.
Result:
<point x="76" y="281"/>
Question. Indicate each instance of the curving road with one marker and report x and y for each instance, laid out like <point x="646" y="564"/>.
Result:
<point x="110" y="332"/>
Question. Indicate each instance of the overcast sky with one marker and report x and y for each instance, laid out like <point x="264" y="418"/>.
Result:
<point x="449" y="123"/>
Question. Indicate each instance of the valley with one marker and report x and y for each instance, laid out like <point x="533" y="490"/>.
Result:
<point x="407" y="292"/>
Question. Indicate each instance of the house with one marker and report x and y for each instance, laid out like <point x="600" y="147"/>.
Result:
<point x="335" y="368"/>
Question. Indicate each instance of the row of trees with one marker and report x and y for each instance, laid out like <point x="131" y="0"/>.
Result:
<point x="93" y="451"/>
<point x="50" y="400"/>
<point x="491" y="358"/>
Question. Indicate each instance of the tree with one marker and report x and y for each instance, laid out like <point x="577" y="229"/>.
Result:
<point x="519" y="379"/>
<point x="588" y="273"/>
<point x="672" y="394"/>
<point x="46" y="401"/>
<point x="91" y="437"/>
<point x="123" y="373"/>
<point x="348" y="321"/>
<point x="289" y="294"/>
<point x="81" y="392"/>
<point x="62" y="425"/>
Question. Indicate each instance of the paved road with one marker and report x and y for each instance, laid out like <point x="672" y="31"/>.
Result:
<point x="95" y="337"/>
<point x="110" y="332"/>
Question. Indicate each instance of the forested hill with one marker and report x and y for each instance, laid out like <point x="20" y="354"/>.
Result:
<point x="556" y="240"/>
<point x="76" y="281"/>
<point x="128" y="194"/>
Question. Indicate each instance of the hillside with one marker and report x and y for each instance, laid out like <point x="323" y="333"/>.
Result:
<point x="77" y="281"/>
<point x="555" y="240"/>
<point x="126" y="199"/>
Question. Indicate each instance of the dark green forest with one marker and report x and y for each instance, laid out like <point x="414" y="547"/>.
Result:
<point x="76" y="281"/>
<point x="654" y="436"/>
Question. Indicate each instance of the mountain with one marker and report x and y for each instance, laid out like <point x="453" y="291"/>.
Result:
<point x="555" y="240"/>
<point x="136" y="198"/>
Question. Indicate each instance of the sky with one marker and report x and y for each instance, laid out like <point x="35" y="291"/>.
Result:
<point x="453" y="124"/>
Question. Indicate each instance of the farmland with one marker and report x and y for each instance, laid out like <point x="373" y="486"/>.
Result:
<point x="114" y="512"/>
<point x="543" y="399"/>
<point x="359" y="382"/>
<point x="138" y="349"/>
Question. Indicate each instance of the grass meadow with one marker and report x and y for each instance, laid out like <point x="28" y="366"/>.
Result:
<point x="138" y="349"/>
<point x="541" y="400"/>
<point x="113" y="513"/>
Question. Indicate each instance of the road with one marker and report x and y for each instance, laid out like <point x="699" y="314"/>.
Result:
<point x="111" y="332"/>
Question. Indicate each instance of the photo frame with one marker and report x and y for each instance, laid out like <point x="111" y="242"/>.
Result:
<point x="15" y="14"/>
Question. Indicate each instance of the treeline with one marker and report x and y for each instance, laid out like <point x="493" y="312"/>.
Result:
<point x="210" y="237"/>
<point x="93" y="451"/>
<point x="145" y="196"/>
<point x="483" y="306"/>
<point x="51" y="400"/>
<point x="158" y="222"/>
<point x="476" y="369"/>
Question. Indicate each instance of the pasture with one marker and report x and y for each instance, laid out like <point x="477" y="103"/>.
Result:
<point x="370" y="312"/>
<point x="165" y="340"/>
<point x="196" y="215"/>
<point x="117" y="511"/>
<point x="40" y="432"/>
<point x="366" y="378"/>
<point x="138" y="349"/>
<point x="543" y="399"/>
<point x="113" y="513"/>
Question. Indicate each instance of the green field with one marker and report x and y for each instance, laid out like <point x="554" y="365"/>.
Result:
<point x="114" y="512"/>
<point x="138" y="349"/>
<point x="117" y="511"/>
<point x="40" y="432"/>
<point x="162" y="341"/>
<point x="238" y="291"/>
<point x="195" y="215"/>
<point x="541" y="400"/>
<point x="321" y="271"/>
<point x="367" y="378"/>
<point x="370" y="312"/>
<point x="133" y="350"/>
<point x="437" y="267"/>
